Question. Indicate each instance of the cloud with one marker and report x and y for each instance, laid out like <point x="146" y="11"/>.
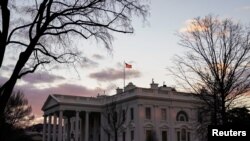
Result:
<point x="36" y="97"/>
<point x="191" y="25"/>
<point x="3" y="80"/>
<point x="88" y="63"/>
<point x="8" y="67"/>
<point x="245" y="8"/>
<point x="112" y="74"/>
<point x="97" y="56"/>
<point x="41" y="77"/>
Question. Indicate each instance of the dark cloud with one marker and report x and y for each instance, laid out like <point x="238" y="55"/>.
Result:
<point x="112" y="74"/>
<point x="97" y="57"/>
<point x="41" y="77"/>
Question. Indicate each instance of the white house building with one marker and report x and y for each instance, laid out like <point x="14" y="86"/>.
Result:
<point x="153" y="114"/>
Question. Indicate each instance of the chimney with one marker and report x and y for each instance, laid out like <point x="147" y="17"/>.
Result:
<point x="119" y="90"/>
<point x="153" y="85"/>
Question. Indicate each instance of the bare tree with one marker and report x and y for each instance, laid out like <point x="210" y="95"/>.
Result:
<point x="48" y="26"/>
<point x="115" y="117"/>
<point x="217" y="62"/>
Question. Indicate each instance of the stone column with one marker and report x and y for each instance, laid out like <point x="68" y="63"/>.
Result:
<point x="171" y="121"/>
<point x="86" y="126"/>
<point x="80" y="129"/>
<point x="59" y="137"/>
<point x="54" y="127"/>
<point x="65" y="129"/>
<point x="44" y="127"/>
<point x="77" y="126"/>
<point x="103" y="137"/>
<point x="95" y="135"/>
<point x="49" y="129"/>
<point x="68" y="129"/>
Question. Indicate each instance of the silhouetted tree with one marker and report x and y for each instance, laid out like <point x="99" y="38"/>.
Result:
<point x="217" y="62"/>
<point x="17" y="116"/>
<point x="43" y="29"/>
<point x="115" y="117"/>
<point x="18" y="113"/>
<point x="11" y="133"/>
<point x="239" y="116"/>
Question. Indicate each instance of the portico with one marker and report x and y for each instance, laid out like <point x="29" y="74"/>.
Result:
<point x="68" y="118"/>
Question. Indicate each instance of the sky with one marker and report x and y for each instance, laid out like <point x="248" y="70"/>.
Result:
<point x="150" y="51"/>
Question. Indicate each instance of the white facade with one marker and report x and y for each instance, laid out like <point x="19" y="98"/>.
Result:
<point x="153" y="114"/>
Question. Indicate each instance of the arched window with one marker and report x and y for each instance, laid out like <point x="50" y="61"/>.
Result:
<point x="182" y="116"/>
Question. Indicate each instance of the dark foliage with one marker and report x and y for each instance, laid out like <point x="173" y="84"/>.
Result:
<point x="239" y="116"/>
<point x="18" y="113"/>
<point x="17" y="116"/>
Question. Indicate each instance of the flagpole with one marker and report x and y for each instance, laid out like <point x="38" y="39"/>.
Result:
<point x="124" y="76"/>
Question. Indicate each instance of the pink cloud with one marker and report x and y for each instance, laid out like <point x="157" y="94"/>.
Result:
<point x="112" y="74"/>
<point x="41" y="77"/>
<point x="36" y="97"/>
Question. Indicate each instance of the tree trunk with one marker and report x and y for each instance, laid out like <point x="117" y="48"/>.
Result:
<point x="7" y="88"/>
<point x="214" y="116"/>
<point x="223" y="111"/>
<point x="5" y="28"/>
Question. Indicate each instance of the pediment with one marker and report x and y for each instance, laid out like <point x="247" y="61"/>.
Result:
<point x="163" y="126"/>
<point x="50" y="102"/>
<point x="148" y="125"/>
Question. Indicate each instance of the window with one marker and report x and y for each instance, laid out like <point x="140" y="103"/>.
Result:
<point x="163" y="114"/>
<point x="132" y="113"/>
<point x="108" y="136"/>
<point x="164" y="136"/>
<point x="149" y="135"/>
<point x="123" y="115"/>
<point x="124" y="136"/>
<point x="182" y="116"/>
<point x="178" y="136"/>
<point x="183" y="135"/>
<point x="132" y="135"/>
<point x="114" y="119"/>
<point x="148" y="113"/>
<point x="109" y="117"/>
